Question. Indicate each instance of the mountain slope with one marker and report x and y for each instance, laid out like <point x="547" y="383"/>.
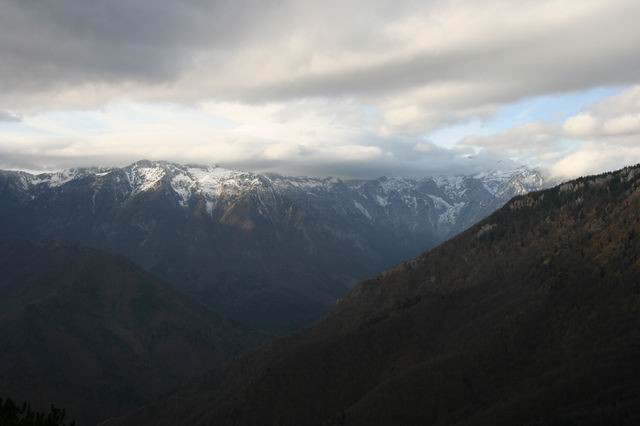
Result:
<point x="529" y="317"/>
<point x="95" y="334"/>
<point x="274" y="252"/>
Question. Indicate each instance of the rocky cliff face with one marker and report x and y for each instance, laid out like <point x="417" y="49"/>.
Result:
<point x="274" y="252"/>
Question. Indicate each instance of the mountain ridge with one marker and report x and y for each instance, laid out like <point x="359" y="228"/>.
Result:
<point x="144" y="175"/>
<point x="213" y="183"/>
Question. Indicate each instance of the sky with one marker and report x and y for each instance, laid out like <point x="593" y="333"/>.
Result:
<point x="350" y="88"/>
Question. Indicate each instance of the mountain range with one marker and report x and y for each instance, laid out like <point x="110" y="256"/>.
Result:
<point x="270" y="251"/>
<point x="529" y="317"/>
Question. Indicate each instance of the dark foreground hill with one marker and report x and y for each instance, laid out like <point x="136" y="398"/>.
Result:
<point x="95" y="334"/>
<point x="531" y="317"/>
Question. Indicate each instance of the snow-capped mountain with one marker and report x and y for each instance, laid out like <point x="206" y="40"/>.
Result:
<point x="440" y="201"/>
<point x="269" y="250"/>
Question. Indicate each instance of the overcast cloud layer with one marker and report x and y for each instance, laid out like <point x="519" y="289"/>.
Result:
<point x="354" y="88"/>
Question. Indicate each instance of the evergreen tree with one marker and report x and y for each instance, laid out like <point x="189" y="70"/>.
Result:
<point x="12" y="414"/>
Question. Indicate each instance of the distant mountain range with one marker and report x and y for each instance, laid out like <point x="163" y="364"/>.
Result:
<point x="530" y="317"/>
<point x="273" y="252"/>
<point x="97" y="335"/>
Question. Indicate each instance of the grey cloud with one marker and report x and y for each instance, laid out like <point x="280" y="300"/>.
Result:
<point x="52" y="43"/>
<point x="7" y="117"/>
<point x="400" y="158"/>
<point x="43" y="162"/>
<point x="600" y="50"/>
<point x="527" y="139"/>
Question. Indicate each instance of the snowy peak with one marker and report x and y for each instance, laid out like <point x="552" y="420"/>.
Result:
<point x="522" y="181"/>
<point x="144" y="176"/>
<point x="512" y="182"/>
<point x="188" y="180"/>
<point x="29" y="182"/>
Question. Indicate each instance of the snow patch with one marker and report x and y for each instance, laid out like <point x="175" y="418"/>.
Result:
<point x="362" y="210"/>
<point x="382" y="201"/>
<point x="439" y="202"/>
<point x="450" y="216"/>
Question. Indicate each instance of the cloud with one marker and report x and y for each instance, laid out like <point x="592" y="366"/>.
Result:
<point x="7" y="117"/>
<point x="604" y="136"/>
<point x="423" y="75"/>
<point x="595" y="157"/>
<point x="66" y="43"/>
<point x="497" y="50"/>
<point x="305" y="137"/>
<point x="341" y="86"/>
<point x="616" y="117"/>
<point x="581" y="125"/>
<point x="424" y="147"/>
<point x="523" y="141"/>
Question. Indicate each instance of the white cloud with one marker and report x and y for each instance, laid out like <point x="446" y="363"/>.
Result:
<point x="583" y="124"/>
<point x="595" y="157"/>
<point x="586" y="125"/>
<point x="628" y="124"/>
<point x="614" y="117"/>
